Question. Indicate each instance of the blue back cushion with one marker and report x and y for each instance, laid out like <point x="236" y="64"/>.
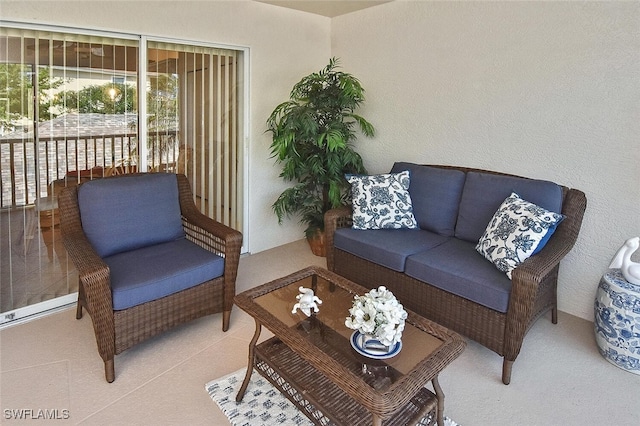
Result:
<point x="435" y="195"/>
<point x="483" y="193"/>
<point x="130" y="212"/>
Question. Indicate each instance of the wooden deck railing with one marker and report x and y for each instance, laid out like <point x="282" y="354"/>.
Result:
<point x="27" y="168"/>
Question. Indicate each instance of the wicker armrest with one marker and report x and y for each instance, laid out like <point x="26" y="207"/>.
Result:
<point x="94" y="276"/>
<point x="539" y="266"/>
<point x="539" y="269"/>
<point x="226" y="238"/>
<point x="208" y="233"/>
<point x="85" y="258"/>
<point x="333" y="219"/>
<point x="93" y="272"/>
<point x="213" y="236"/>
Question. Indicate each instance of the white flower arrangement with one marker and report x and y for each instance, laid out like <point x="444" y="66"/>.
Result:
<point x="379" y="314"/>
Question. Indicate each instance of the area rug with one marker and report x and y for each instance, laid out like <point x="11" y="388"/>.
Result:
<point x="262" y="405"/>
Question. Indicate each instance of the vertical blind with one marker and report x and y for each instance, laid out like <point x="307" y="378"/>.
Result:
<point x="54" y="121"/>
<point x="69" y="111"/>
<point x="53" y="126"/>
<point x="207" y="84"/>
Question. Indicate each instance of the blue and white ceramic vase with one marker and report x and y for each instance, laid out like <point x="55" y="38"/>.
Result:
<point x="617" y="321"/>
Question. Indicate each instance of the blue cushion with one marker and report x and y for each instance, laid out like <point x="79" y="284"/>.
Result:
<point x="435" y="194"/>
<point x="483" y="193"/>
<point x="126" y="213"/>
<point x="458" y="268"/>
<point x="386" y="247"/>
<point x="153" y="272"/>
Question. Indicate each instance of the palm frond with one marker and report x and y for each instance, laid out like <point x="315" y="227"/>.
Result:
<point x="312" y="138"/>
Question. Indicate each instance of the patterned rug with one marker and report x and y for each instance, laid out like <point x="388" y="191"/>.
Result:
<point x="262" y="405"/>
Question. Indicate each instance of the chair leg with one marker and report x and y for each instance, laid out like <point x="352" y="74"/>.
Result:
<point x="506" y="371"/>
<point x="554" y="315"/>
<point x="79" y="310"/>
<point x="226" y="317"/>
<point x="109" y="370"/>
<point x="80" y="299"/>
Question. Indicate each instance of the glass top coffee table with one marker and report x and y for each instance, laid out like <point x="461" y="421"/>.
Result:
<point x="312" y="362"/>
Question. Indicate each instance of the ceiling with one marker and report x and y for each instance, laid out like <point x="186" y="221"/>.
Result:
<point x="329" y="8"/>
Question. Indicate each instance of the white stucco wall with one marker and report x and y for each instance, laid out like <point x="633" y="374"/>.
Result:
<point x="284" y="46"/>
<point x="547" y="90"/>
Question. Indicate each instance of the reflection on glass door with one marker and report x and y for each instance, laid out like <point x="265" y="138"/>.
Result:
<point x="67" y="114"/>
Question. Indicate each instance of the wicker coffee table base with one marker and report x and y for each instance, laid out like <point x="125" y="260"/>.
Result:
<point x="311" y="361"/>
<point x="323" y="401"/>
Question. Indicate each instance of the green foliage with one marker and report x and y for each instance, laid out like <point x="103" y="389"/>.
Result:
<point x="16" y="89"/>
<point x="313" y="135"/>
<point x="162" y="102"/>
<point x="107" y="98"/>
<point x="16" y="99"/>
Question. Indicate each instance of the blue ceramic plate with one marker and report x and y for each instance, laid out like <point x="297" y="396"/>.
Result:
<point x="357" y="345"/>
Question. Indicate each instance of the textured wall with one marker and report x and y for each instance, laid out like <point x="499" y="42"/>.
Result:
<point x="284" y="46"/>
<point x="547" y="90"/>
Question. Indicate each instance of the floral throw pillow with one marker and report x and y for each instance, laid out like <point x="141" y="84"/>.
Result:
<point x="382" y="201"/>
<point x="515" y="232"/>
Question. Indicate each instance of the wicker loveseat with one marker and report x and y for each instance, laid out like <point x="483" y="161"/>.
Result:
<point x="147" y="259"/>
<point x="436" y="270"/>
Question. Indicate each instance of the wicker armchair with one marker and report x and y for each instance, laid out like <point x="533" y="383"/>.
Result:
<point x="533" y="292"/>
<point x="118" y="329"/>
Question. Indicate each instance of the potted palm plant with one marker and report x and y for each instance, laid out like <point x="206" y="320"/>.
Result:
<point x="313" y="135"/>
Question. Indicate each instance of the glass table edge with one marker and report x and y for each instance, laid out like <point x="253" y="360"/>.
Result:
<point x="424" y="371"/>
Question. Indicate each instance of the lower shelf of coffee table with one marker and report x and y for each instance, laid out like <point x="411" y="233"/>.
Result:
<point x="323" y="401"/>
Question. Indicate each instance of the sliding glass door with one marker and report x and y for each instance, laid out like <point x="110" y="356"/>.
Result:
<point x="76" y="107"/>
<point x="197" y="91"/>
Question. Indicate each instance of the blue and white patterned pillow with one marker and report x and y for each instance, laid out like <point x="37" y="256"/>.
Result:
<point x="515" y="232"/>
<point x="382" y="201"/>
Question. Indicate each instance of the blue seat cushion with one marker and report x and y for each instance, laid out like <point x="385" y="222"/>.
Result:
<point x="435" y="195"/>
<point x="458" y="268"/>
<point x="153" y="272"/>
<point x="483" y="194"/>
<point x="386" y="247"/>
<point x="126" y="213"/>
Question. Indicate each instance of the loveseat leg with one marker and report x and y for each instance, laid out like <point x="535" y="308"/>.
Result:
<point x="79" y="311"/>
<point x="554" y="315"/>
<point x="109" y="370"/>
<point x="226" y="317"/>
<point x="506" y="371"/>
